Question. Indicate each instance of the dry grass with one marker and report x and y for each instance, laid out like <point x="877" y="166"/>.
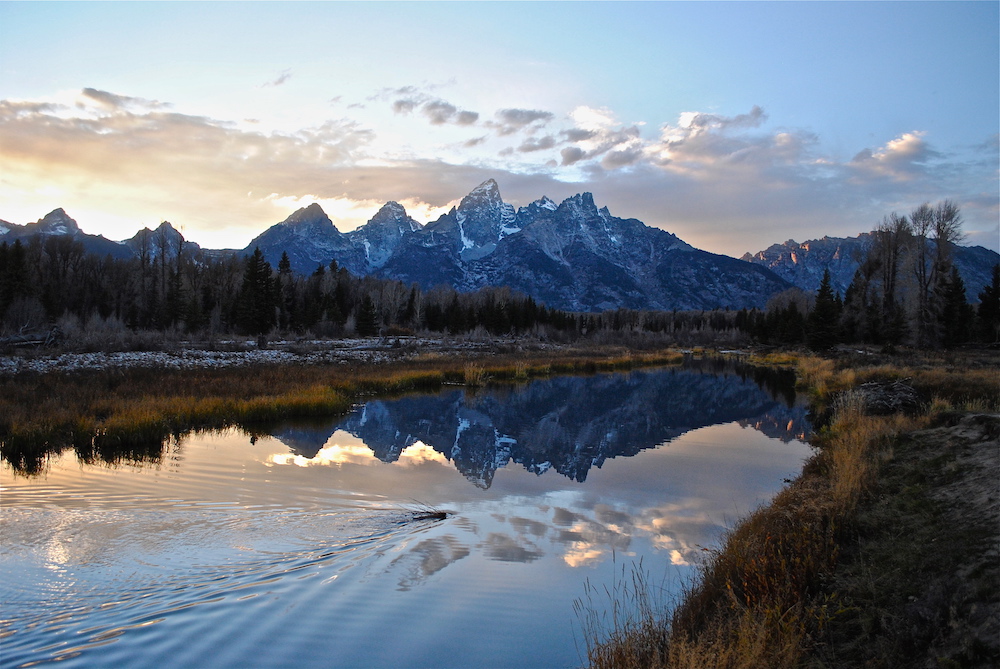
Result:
<point x="45" y="413"/>
<point x="759" y="601"/>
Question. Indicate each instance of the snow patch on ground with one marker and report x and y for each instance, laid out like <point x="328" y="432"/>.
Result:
<point x="315" y="352"/>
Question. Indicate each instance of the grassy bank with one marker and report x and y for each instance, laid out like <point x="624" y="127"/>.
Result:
<point x="103" y="414"/>
<point x="775" y="594"/>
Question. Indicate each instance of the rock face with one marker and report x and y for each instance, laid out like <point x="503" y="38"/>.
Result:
<point x="571" y="256"/>
<point x="803" y="264"/>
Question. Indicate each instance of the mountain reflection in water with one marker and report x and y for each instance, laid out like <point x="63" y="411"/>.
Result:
<point x="209" y="548"/>
<point x="568" y="424"/>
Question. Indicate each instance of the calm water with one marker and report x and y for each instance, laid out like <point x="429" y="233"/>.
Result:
<point x="298" y="548"/>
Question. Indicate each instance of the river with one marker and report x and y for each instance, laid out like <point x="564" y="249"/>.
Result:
<point x="307" y="545"/>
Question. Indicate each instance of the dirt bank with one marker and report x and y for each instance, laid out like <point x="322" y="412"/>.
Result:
<point x="918" y="580"/>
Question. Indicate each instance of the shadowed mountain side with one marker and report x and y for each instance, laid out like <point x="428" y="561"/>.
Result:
<point x="572" y="256"/>
<point x="568" y="424"/>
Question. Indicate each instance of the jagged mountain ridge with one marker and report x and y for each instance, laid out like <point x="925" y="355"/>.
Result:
<point x="567" y="424"/>
<point x="803" y="264"/>
<point x="571" y="256"/>
<point x="57" y="223"/>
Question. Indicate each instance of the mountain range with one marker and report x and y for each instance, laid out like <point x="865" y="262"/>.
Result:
<point x="803" y="264"/>
<point x="572" y="255"/>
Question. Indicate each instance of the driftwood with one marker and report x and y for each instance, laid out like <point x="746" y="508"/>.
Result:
<point x="883" y="399"/>
<point x="46" y="339"/>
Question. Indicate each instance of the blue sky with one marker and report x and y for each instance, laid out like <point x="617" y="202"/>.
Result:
<point x="732" y="125"/>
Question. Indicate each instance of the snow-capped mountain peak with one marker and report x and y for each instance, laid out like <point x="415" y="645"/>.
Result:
<point x="57" y="222"/>
<point x="545" y="203"/>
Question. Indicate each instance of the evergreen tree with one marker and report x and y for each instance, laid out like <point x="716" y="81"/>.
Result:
<point x="256" y="302"/>
<point x="956" y="314"/>
<point x="367" y="323"/>
<point x="824" y="319"/>
<point x="287" y="312"/>
<point x="989" y="309"/>
<point x="15" y="282"/>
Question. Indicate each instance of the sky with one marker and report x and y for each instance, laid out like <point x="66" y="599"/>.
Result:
<point x="732" y="125"/>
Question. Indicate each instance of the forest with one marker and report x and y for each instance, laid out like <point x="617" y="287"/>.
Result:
<point x="906" y="291"/>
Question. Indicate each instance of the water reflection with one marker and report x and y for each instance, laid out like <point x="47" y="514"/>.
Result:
<point x="566" y="424"/>
<point x="296" y="549"/>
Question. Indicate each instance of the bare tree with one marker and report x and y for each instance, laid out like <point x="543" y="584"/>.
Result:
<point x="922" y="222"/>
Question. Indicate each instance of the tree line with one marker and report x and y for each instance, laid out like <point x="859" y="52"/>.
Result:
<point x="169" y="289"/>
<point x="906" y="291"/>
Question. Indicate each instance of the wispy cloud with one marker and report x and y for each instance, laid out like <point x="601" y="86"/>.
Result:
<point x="284" y="76"/>
<point x="114" y="102"/>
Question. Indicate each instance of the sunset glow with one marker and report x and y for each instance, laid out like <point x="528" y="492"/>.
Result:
<point x="734" y="126"/>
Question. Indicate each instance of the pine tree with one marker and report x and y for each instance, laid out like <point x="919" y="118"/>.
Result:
<point x="256" y="302"/>
<point x="824" y="319"/>
<point x="367" y="323"/>
<point x="989" y="309"/>
<point x="956" y="314"/>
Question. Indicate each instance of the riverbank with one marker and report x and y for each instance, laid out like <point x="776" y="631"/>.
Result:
<point x="107" y="410"/>
<point x="819" y="578"/>
<point x="883" y="553"/>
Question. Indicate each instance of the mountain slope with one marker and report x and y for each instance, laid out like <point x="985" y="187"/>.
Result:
<point x="57" y="223"/>
<point x="571" y="256"/>
<point x="803" y="264"/>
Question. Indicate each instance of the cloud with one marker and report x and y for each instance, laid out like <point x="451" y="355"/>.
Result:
<point x="466" y="118"/>
<point x="279" y="80"/>
<point x="598" y="133"/>
<point x="578" y="134"/>
<point x="727" y="184"/>
<point x="699" y="122"/>
<point x="572" y="155"/>
<point x="510" y="121"/>
<point x="902" y="159"/>
<point x="438" y="111"/>
<point x="404" y="106"/>
<point x="531" y="144"/>
<point x="615" y="159"/>
<point x="114" y="102"/>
